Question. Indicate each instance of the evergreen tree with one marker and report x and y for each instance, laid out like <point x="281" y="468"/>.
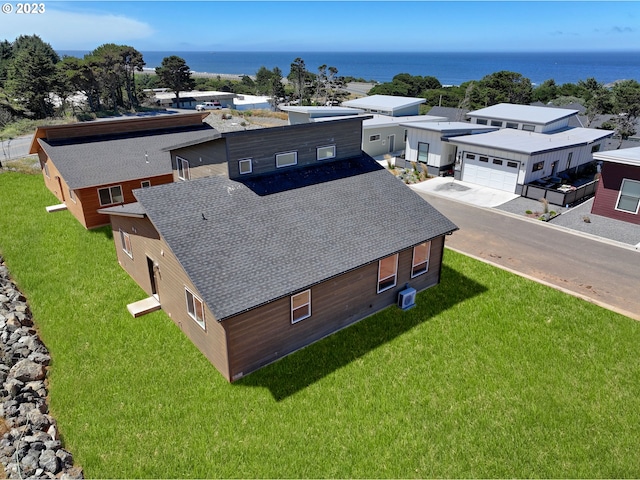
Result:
<point x="175" y="74"/>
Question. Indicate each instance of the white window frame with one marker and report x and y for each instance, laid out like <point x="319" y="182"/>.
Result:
<point x="374" y="138"/>
<point x="306" y="304"/>
<point x="528" y="128"/>
<point x="330" y="148"/>
<point x="192" y="301"/>
<point x="111" y="195"/>
<point x="534" y="167"/>
<point x="414" y="271"/>
<point x="245" y="161"/>
<point x="145" y="183"/>
<point x="482" y="121"/>
<point x="496" y="123"/>
<point x="620" y="195"/>
<point x="512" y="125"/>
<point x="125" y="239"/>
<point x="388" y="277"/>
<point x="183" y="167"/>
<point x="72" y="196"/>
<point x="279" y="156"/>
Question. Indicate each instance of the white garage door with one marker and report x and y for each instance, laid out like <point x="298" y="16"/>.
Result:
<point x="490" y="172"/>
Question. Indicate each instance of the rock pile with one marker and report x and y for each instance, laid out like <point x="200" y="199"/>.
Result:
<point x="30" y="447"/>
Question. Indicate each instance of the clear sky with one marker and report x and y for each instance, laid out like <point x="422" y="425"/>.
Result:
<point x="428" y="26"/>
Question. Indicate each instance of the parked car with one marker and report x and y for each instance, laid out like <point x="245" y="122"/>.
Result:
<point x="209" y="106"/>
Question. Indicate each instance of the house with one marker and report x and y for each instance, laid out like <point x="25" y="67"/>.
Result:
<point x="382" y="134"/>
<point x="618" y="193"/>
<point x="293" y="243"/>
<point x="390" y="105"/>
<point x="91" y="165"/>
<point x="507" y="159"/>
<point x="190" y="99"/>
<point x="428" y="143"/>
<point x="528" y="118"/>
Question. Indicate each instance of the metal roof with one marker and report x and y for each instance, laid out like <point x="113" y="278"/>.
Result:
<point x="531" y="142"/>
<point x="244" y="244"/>
<point x="523" y="113"/>
<point x="384" y="102"/>
<point x="461" y="127"/>
<point x="103" y="160"/>
<point x="626" y="156"/>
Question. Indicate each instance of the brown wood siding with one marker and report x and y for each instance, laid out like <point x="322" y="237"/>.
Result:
<point x="262" y="145"/>
<point x="266" y="334"/>
<point x="205" y="160"/>
<point x="608" y="190"/>
<point x="90" y="200"/>
<point x="78" y="130"/>
<point x="51" y="181"/>
<point x="170" y="282"/>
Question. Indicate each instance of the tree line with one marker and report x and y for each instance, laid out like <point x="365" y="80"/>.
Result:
<point x="36" y="83"/>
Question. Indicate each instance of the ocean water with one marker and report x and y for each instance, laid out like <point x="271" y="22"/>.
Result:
<point x="448" y="68"/>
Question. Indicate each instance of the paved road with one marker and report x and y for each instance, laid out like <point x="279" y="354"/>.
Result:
<point x="604" y="272"/>
<point x="15" y="148"/>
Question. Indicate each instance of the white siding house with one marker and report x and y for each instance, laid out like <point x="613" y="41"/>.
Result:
<point x="389" y="105"/>
<point x="428" y="142"/>
<point x="507" y="159"/>
<point x="523" y="117"/>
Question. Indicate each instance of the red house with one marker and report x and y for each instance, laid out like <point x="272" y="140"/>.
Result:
<point x="618" y="193"/>
<point x="92" y="165"/>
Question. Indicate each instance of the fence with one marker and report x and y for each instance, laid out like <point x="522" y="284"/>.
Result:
<point x="558" y="197"/>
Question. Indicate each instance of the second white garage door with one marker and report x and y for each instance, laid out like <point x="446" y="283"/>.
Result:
<point x="491" y="172"/>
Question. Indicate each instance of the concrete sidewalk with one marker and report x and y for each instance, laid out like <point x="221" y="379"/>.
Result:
<point x="579" y="219"/>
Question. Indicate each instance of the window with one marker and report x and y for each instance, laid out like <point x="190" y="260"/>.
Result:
<point x="324" y="153"/>
<point x="45" y="166"/>
<point x="423" y="152"/>
<point x="195" y="308"/>
<point x="629" y="197"/>
<point x="512" y="125"/>
<point x="245" y="166"/>
<point x="497" y="162"/>
<point x="406" y="134"/>
<point x="126" y="243"/>
<point x="595" y="148"/>
<point x="537" y="166"/>
<point x="110" y="195"/>
<point x="183" y="168"/>
<point x="286" y="159"/>
<point x="484" y="159"/>
<point x="72" y="196"/>
<point x="374" y="138"/>
<point x="145" y="183"/>
<point x="496" y="123"/>
<point x="420" y="262"/>
<point x="528" y="128"/>
<point x="481" y="121"/>
<point x="387" y="273"/>
<point x="512" y="164"/>
<point x="569" y="160"/>
<point x="470" y="156"/>
<point x="300" y="306"/>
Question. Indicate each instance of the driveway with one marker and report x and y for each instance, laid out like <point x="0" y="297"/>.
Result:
<point x="594" y="268"/>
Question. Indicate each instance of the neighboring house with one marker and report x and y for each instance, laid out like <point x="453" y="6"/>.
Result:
<point x="189" y="100"/>
<point x="618" y="193"/>
<point x="294" y="243"/>
<point x="389" y="105"/>
<point x="91" y="165"/>
<point x="507" y="159"/>
<point x="381" y="134"/>
<point x="428" y="143"/>
<point x="523" y="117"/>
<point x="452" y="114"/>
<point x="252" y="102"/>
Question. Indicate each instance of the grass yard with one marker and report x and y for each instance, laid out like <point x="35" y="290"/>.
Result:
<point x="490" y="375"/>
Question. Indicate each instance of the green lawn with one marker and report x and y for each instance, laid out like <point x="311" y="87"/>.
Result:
<point x="490" y="375"/>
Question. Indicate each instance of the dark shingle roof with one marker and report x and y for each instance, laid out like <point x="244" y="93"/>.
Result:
<point x="245" y="244"/>
<point x="106" y="160"/>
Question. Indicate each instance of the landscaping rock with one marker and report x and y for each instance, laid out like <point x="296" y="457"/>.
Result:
<point x="31" y="448"/>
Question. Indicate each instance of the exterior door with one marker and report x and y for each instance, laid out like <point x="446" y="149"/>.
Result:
<point x="152" y="277"/>
<point x="61" y="189"/>
<point x="392" y="143"/>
